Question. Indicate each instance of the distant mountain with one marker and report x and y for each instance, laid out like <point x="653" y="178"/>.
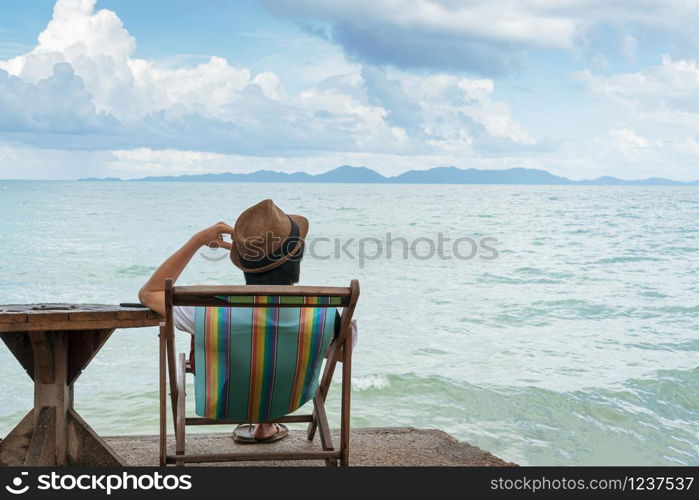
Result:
<point x="437" y="175"/>
<point x="453" y="175"/>
<point x="346" y="173"/>
<point x="652" y="181"/>
<point x="259" y="176"/>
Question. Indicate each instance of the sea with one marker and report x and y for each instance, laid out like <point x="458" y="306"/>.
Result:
<point x="549" y="325"/>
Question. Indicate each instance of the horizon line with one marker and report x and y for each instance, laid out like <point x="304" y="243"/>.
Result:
<point x="391" y="178"/>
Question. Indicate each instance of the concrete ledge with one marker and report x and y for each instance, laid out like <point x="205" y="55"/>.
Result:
<point x="390" y="446"/>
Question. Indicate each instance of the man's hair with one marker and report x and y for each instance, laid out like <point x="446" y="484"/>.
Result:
<point x="285" y="274"/>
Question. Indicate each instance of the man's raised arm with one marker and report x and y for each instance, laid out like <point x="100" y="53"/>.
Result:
<point x="152" y="294"/>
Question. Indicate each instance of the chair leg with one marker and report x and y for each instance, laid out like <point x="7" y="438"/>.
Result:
<point x="346" y="398"/>
<point x="172" y="370"/>
<point x="180" y="412"/>
<point x="163" y="398"/>
<point x="323" y="388"/>
<point x="326" y="440"/>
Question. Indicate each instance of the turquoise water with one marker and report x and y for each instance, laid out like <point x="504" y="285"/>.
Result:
<point x="576" y="345"/>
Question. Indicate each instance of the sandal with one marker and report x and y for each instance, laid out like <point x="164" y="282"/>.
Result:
<point x="244" y="434"/>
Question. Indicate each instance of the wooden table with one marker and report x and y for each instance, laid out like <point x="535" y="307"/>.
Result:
<point x="54" y="343"/>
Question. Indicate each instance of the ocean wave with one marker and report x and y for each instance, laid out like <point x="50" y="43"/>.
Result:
<point x="648" y="421"/>
<point x="365" y="383"/>
<point x="621" y="260"/>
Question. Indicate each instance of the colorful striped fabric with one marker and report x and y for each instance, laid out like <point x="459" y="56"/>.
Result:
<point x="258" y="364"/>
<point x="280" y="299"/>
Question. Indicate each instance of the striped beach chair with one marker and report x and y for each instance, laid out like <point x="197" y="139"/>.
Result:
<point x="259" y="354"/>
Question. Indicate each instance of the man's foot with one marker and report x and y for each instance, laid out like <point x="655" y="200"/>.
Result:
<point x="265" y="431"/>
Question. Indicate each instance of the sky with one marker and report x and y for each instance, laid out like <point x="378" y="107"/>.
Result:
<point x="127" y="88"/>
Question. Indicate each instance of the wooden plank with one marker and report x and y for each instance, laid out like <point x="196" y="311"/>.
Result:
<point x="180" y="417"/>
<point x="42" y="448"/>
<point x="126" y="314"/>
<point x="43" y="314"/>
<point x="13" y="449"/>
<point x="12" y="317"/>
<point x="210" y="421"/>
<point x="346" y="400"/>
<point x="51" y="389"/>
<point x="162" y="381"/>
<point x="77" y="326"/>
<point x="293" y="290"/>
<point x="118" y="313"/>
<point x="195" y="300"/>
<point x="88" y="315"/>
<point x="335" y="350"/>
<point x="170" y="350"/>
<point x="324" y="384"/>
<point x="86" y="448"/>
<point x="323" y="427"/>
<point x="206" y="295"/>
<point x="21" y="348"/>
<point x="253" y="457"/>
<point x="63" y="394"/>
<point x="44" y="369"/>
<point x="45" y="317"/>
<point x="82" y="349"/>
<point x="322" y="418"/>
<point x="345" y="338"/>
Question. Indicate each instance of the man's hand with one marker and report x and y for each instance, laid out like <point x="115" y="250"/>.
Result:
<point x="213" y="236"/>
<point x="152" y="293"/>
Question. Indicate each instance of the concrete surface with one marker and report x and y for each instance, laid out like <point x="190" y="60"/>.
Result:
<point x="404" y="446"/>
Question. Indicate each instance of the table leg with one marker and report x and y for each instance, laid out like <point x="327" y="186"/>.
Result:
<point x="53" y="433"/>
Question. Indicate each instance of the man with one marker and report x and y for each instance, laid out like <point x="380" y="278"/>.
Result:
<point x="267" y="245"/>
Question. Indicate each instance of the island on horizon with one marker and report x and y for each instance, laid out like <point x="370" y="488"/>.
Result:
<point x="436" y="175"/>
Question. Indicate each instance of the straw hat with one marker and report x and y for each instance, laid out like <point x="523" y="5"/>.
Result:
<point x="264" y="237"/>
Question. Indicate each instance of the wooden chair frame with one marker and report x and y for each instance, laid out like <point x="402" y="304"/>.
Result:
<point x="340" y="349"/>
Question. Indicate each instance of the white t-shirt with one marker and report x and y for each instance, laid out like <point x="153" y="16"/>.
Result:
<point x="183" y="317"/>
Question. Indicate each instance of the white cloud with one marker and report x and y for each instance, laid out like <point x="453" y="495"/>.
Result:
<point x="486" y="36"/>
<point x="629" y="142"/>
<point x="58" y="104"/>
<point x="628" y="48"/>
<point x="660" y="101"/>
<point x="674" y="84"/>
<point x="98" y="47"/>
<point x="83" y="97"/>
<point x="652" y="117"/>
<point x="510" y="21"/>
<point x="82" y="79"/>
